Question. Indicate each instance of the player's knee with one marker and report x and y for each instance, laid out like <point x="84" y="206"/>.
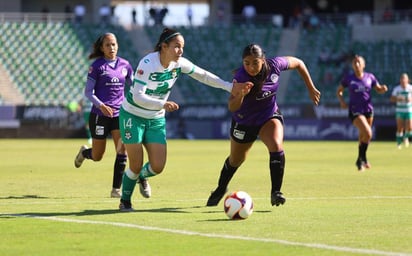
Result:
<point x="97" y="158"/>
<point x="157" y="168"/>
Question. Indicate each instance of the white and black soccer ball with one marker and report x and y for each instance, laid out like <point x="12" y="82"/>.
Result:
<point x="238" y="205"/>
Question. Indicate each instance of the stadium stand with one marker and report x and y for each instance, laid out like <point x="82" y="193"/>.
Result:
<point x="47" y="62"/>
<point x="323" y="51"/>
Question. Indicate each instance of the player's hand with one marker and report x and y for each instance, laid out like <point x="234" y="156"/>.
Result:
<point x="106" y="110"/>
<point x="241" y="89"/>
<point x="315" y="96"/>
<point x="170" y="106"/>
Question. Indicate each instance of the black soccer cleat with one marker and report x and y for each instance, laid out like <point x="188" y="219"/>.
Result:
<point x="215" y="197"/>
<point x="277" y="198"/>
<point x="125" y="206"/>
<point x="360" y="165"/>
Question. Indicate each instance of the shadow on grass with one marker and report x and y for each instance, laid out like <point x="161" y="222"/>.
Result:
<point x="24" y="197"/>
<point x="93" y="212"/>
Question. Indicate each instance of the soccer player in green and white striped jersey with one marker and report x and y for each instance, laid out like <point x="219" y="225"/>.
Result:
<point x="402" y="96"/>
<point x="142" y="115"/>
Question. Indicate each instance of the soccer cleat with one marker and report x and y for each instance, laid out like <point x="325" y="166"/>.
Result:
<point x="115" y="193"/>
<point x="125" y="206"/>
<point x="360" y="165"/>
<point x="144" y="187"/>
<point x="80" y="158"/>
<point x="277" y="198"/>
<point x="406" y="142"/>
<point x="215" y="197"/>
<point x="367" y="165"/>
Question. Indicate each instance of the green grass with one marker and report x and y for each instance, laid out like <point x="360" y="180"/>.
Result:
<point x="48" y="207"/>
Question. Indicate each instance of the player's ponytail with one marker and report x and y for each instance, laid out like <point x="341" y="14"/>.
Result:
<point x="165" y="37"/>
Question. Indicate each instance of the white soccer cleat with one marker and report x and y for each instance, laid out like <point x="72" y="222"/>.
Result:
<point x="145" y="188"/>
<point x="80" y="158"/>
<point x="115" y="193"/>
<point x="406" y="142"/>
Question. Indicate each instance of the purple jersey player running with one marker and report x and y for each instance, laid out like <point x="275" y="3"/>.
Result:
<point x="108" y="75"/>
<point x="359" y="85"/>
<point x="256" y="113"/>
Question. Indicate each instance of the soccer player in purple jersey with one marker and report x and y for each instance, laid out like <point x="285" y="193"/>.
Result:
<point x="359" y="85"/>
<point x="108" y="75"/>
<point x="255" y="113"/>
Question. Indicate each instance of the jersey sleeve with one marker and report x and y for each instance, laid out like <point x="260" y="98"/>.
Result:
<point x="204" y="76"/>
<point x="92" y="76"/>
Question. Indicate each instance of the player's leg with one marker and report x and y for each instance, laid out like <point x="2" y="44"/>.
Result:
<point x="119" y="163"/>
<point x="364" y="126"/>
<point x="99" y="129"/>
<point x="271" y="135"/>
<point x="131" y="175"/>
<point x="131" y="131"/>
<point x="408" y="128"/>
<point x="399" y="131"/>
<point x="238" y="153"/>
<point x="241" y="140"/>
<point x="157" y="160"/>
<point x="155" y="144"/>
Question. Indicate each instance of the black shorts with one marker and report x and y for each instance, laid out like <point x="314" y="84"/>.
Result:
<point x="353" y="115"/>
<point x="246" y="133"/>
<point x="102" y="126"/>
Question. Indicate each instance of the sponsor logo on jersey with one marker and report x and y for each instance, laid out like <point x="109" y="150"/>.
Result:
<point x="99" y="130"/>
<point x="239" y="134"/>
<point x="265" y="95"/>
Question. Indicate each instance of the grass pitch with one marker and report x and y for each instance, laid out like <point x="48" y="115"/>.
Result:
<point x="48" y="207"/>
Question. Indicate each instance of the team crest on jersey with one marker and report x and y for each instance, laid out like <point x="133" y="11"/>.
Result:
<point x="128" y="135"/>
<point x="90" y="69"/>
<point x="274" y="78"/>
<point x="124" y="71"/>
<point x="140" y="72"/>
<point x="174" y="73"/>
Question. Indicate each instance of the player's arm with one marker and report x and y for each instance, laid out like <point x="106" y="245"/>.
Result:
<point x="239" y="91"/>
<point x="381" y="88"/>
<point x="299" y="65"/>
<point x="339" y="94"/>
<point x="204" y="76"/>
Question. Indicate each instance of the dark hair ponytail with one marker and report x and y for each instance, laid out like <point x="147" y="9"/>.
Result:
<point x="165" y="37"/>
<point x="258" y="80"/>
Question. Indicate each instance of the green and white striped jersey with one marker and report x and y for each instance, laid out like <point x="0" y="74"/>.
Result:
<point x="403" y="98"/>
<point x="153" y="83"/>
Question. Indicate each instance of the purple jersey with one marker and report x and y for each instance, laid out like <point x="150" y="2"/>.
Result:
<point x="110" y="82"/>
<point x="256" y="109"/>
<point x="360" y="92"/>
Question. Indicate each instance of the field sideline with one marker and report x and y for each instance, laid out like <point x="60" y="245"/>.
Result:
<point x="48" y="207"/>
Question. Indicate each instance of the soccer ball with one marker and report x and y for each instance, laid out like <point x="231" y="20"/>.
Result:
<point x="238" y="205"/>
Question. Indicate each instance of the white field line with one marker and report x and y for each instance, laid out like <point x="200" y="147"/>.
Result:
<point x="211" y="235"/>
